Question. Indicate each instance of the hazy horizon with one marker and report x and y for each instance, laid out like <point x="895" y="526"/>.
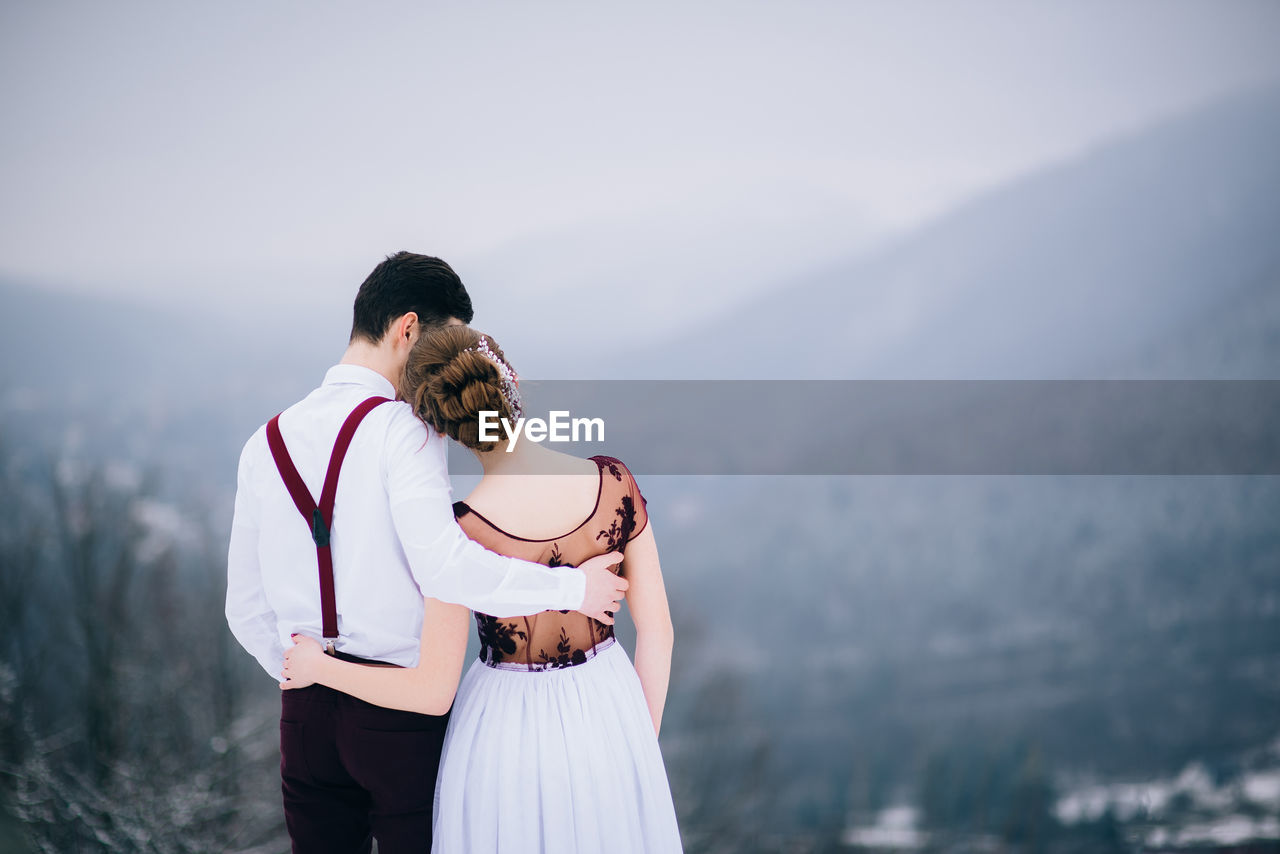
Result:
<point x="272" y="155"/>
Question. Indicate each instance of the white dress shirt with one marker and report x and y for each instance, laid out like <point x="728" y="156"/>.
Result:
<point x="394" y="537"/>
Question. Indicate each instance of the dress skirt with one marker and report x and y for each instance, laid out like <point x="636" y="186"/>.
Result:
<point x="560" y="761"/>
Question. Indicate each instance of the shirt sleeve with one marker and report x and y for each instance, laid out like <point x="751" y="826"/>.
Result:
<point x="251" y="618"/>
<point x="446" y="563"/>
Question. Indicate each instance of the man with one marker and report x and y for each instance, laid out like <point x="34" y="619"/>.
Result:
<point x="352" y="771"/>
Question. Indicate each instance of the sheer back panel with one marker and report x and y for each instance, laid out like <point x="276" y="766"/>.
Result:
<point x="554" y="639"/>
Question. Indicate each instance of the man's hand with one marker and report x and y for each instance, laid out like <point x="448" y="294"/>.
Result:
<point x="604" y="589"/>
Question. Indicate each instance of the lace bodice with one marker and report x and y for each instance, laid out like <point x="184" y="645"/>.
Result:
<point x="553" y="639"/>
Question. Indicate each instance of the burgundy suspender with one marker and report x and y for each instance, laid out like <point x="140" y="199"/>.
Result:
<point x="320" y="516"/>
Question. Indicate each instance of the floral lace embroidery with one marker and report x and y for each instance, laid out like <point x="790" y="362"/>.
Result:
<point x="498" y="638"/>
<point x="619" y="530"/>
<point x="556" y="559"/>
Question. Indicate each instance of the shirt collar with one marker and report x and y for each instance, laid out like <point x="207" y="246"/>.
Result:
<point x="360" y="375"/>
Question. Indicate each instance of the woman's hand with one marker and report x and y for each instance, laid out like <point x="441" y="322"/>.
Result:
<point x="302" y="663"/>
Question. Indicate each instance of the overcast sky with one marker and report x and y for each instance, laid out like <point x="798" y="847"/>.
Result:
<point x="248" y="153"/>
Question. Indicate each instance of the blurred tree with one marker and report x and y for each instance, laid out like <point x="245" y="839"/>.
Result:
<point x="719" y="771"/>
<point x="996" y="790"/>
<point x="1028" y="819"/>
<point x="123" y="725"/>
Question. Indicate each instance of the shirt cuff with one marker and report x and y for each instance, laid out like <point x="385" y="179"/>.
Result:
<point x="573" y="589"/>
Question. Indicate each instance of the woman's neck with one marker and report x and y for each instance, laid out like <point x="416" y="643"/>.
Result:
<point x="525" y="458"/>
<point x="505" y="459"/>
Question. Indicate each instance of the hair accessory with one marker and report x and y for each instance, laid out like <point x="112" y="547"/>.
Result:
<point x="509" y="389"/>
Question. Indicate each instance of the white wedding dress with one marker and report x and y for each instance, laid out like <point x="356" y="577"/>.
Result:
<point x="550" y="746"/>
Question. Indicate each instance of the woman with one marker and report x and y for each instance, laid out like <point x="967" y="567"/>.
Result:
<point x="552" y="742"/>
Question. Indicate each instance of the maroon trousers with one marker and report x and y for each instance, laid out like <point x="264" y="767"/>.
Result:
<point x="352" y="771"/>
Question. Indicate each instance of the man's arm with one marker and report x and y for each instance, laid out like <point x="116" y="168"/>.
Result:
<point x="451" y="567"/>
<point x="251" y="618"/>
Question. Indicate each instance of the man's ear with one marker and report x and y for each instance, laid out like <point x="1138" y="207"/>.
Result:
<point x="407" y="329"/>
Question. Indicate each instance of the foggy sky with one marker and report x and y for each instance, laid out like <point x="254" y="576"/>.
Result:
<point x="242" y="156"/>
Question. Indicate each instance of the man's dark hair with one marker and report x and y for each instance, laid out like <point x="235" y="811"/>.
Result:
<point x="408" y="282"/>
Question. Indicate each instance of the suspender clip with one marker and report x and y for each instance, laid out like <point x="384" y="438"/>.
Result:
<point x="319" y="530"/>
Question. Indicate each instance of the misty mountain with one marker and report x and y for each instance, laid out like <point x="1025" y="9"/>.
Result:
<point x="1069" y="273"/>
